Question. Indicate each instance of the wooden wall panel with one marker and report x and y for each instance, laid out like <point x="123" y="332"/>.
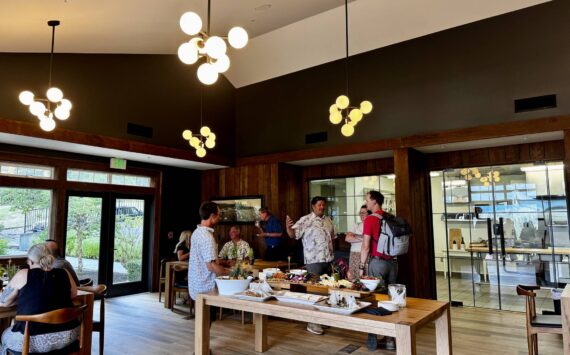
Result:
<point x="513" y="154"/>
<point x="416" y="268"/>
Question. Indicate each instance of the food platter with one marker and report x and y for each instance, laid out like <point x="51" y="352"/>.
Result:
<point x="325" y="307"/>
<point x="248" y="296"/>
<point x="297" y="297"/>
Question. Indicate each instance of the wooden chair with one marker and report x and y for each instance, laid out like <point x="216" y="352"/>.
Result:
<point x="161" y="278"/>
<point x="179" y="287"/>
<point x="59" y="316"/>
<point x="537" y="323"/>
<point x="100" y="292"/>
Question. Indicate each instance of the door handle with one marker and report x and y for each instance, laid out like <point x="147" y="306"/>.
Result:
<point x="502" y="235"/>
<point x="489" y="236"/>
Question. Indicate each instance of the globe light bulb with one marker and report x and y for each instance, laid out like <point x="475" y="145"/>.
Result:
<point x="366" y="107"/>
<point x="54" y="94"/>
<point x="66" y="104"/>
<point x="194" y="142"/>
<point x="347" y="130"/>
<point x="201" y="152"/>
<point x="47" y="124"/>
<point x="207" y="74"/>
<point x="342" y="102"/>
<point x="352" y="123"/>
<point x="188" y="53"/>
<point x="61" y="113"/>
<point x="335" y="117"/>
<point x="26" y="97"/>
<point x="238" y="37"/>
<point x="333" y="108"/>
<point x="215" y="47"/>
<point x="205" y="131"/>
<point x="212" y="136"/>
<point x="222" y="64"/>
<point x="37" y="108"/>
<point x="187" y="134"/>
<point x="355" y="115"/>
<point x="210" y="143"/>
<point x="190" y="23"/>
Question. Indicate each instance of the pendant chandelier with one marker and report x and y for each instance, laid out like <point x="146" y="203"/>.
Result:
<point x="202" y="140"/>
<point x="211" y="48"/>
<point x="45" y="109"/>
<point x="341" y="110"/>
<point x="471" y="173"/>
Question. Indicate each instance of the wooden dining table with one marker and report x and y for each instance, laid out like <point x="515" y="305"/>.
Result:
<point x="402" y="325"/>
<point x="83" y="297"/>
<point x="169" y="279"/>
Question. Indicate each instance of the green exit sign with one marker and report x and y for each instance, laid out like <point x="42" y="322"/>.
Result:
<point x="117" y="163"/>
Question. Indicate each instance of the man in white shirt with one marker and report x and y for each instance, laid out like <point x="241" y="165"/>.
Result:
<point x="203" y="268"/>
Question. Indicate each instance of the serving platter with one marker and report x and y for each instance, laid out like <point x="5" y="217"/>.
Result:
<point x="244" y="296"/>
<point x="325" y="307"/>
<point x="297" y="297"/>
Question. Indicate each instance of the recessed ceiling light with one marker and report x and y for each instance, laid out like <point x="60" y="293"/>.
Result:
<point x="263" y="7"/>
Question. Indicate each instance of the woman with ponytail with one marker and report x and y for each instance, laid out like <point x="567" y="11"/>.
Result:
<point x="39" y="289"/>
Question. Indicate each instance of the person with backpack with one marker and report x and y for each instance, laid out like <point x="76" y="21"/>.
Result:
<point x="379" y="265"/>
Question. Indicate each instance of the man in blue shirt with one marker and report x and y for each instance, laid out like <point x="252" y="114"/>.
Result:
<point x="273" y="234"/>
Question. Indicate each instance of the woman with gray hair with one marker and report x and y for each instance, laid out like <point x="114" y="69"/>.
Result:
<point x="36" y="290"/>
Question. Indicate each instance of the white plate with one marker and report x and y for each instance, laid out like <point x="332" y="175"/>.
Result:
<point x="298" y="297"/>
<point x="298" y="272"/>
<point x="325" y="307"/>
<point x="243" y="296"/>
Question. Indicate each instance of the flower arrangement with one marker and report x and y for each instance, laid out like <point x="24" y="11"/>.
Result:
<point x="239" y="271"/>
<point x="8" y="271"/>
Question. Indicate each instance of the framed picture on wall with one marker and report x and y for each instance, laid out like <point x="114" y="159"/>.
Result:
<point x="239" y="209"/>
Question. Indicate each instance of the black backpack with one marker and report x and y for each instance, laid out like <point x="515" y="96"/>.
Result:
<point x="395" y="233"/>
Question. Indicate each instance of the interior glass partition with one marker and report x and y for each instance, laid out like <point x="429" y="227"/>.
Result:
<point x="497" y="227"/>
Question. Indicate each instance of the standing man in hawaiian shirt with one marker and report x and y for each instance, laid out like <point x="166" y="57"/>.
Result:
<point x="203" y="268"/>
<point x="317" y="232"/>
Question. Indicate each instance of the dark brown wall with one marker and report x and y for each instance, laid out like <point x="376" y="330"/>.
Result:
<point x="463" y="77"/>
<point x="107" y="91"/>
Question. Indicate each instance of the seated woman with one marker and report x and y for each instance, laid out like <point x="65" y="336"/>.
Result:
<point x="182" y="249"/>
<point x="39" y="289"/>
<point x="236" y="249"/>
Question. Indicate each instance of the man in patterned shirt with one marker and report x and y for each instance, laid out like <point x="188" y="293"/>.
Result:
<point x="317" y="232"/>
<point x="236" y="249"/>
<point x="203" y="267"/>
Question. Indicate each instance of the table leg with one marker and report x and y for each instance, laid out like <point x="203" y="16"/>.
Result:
<point x="167" y="284"/>
<point x="443" y="333"/>
<point x="260" y="322"/>
<point x="202" y="327"/>
<point x="405" y="340"/>
<point x="565" y="307"/>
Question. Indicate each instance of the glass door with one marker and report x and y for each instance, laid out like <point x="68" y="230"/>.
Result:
<point x="107" y="240"/>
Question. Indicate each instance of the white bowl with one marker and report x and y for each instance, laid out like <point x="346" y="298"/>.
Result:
<point x="298" y="272"/>
<point x="389" y="305"/>
<point x="270" y="271"/>
<point x="370" y="284"/>
<point x="231" y="287"/>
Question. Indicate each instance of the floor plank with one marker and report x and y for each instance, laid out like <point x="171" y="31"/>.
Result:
<point x="139" y="324"/>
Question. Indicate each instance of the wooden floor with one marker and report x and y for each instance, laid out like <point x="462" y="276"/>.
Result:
<point x="139" y="324"/>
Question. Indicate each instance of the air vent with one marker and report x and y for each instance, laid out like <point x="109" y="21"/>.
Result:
<point x="316" y="137"/>
<point x="535" y="103"/>
<point x="139" y="130"/>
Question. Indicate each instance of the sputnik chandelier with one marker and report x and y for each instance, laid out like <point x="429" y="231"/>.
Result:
<point x="55" y="104"/>
<point x="202" y="140"/>
<point x="204" y="45"/>
<point x="341" y="111"/>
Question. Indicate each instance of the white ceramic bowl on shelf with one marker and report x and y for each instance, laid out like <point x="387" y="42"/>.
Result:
<point x="231" y="287"/>
<point x="370" y="284"/>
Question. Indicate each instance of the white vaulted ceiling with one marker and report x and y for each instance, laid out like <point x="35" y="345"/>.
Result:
<point x="286" y="35"/>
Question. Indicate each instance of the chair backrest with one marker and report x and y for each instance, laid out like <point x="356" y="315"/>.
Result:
<point x="58" y="316"/>
<point x="162" y="272"/>
<point x="527" y="291"/>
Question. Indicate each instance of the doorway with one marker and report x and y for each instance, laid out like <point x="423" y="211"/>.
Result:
<point x="107" y="239"/>
<point x="496" y="227"/>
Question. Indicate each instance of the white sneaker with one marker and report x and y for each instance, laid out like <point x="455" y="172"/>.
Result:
<point x="315" y="328"/>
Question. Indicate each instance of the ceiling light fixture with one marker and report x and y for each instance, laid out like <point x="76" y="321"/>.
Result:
<point x="204" y="45"/>
<point x="202" y="140"/>
<point x="55" y="104"/>
<point x="341" y="111"/>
